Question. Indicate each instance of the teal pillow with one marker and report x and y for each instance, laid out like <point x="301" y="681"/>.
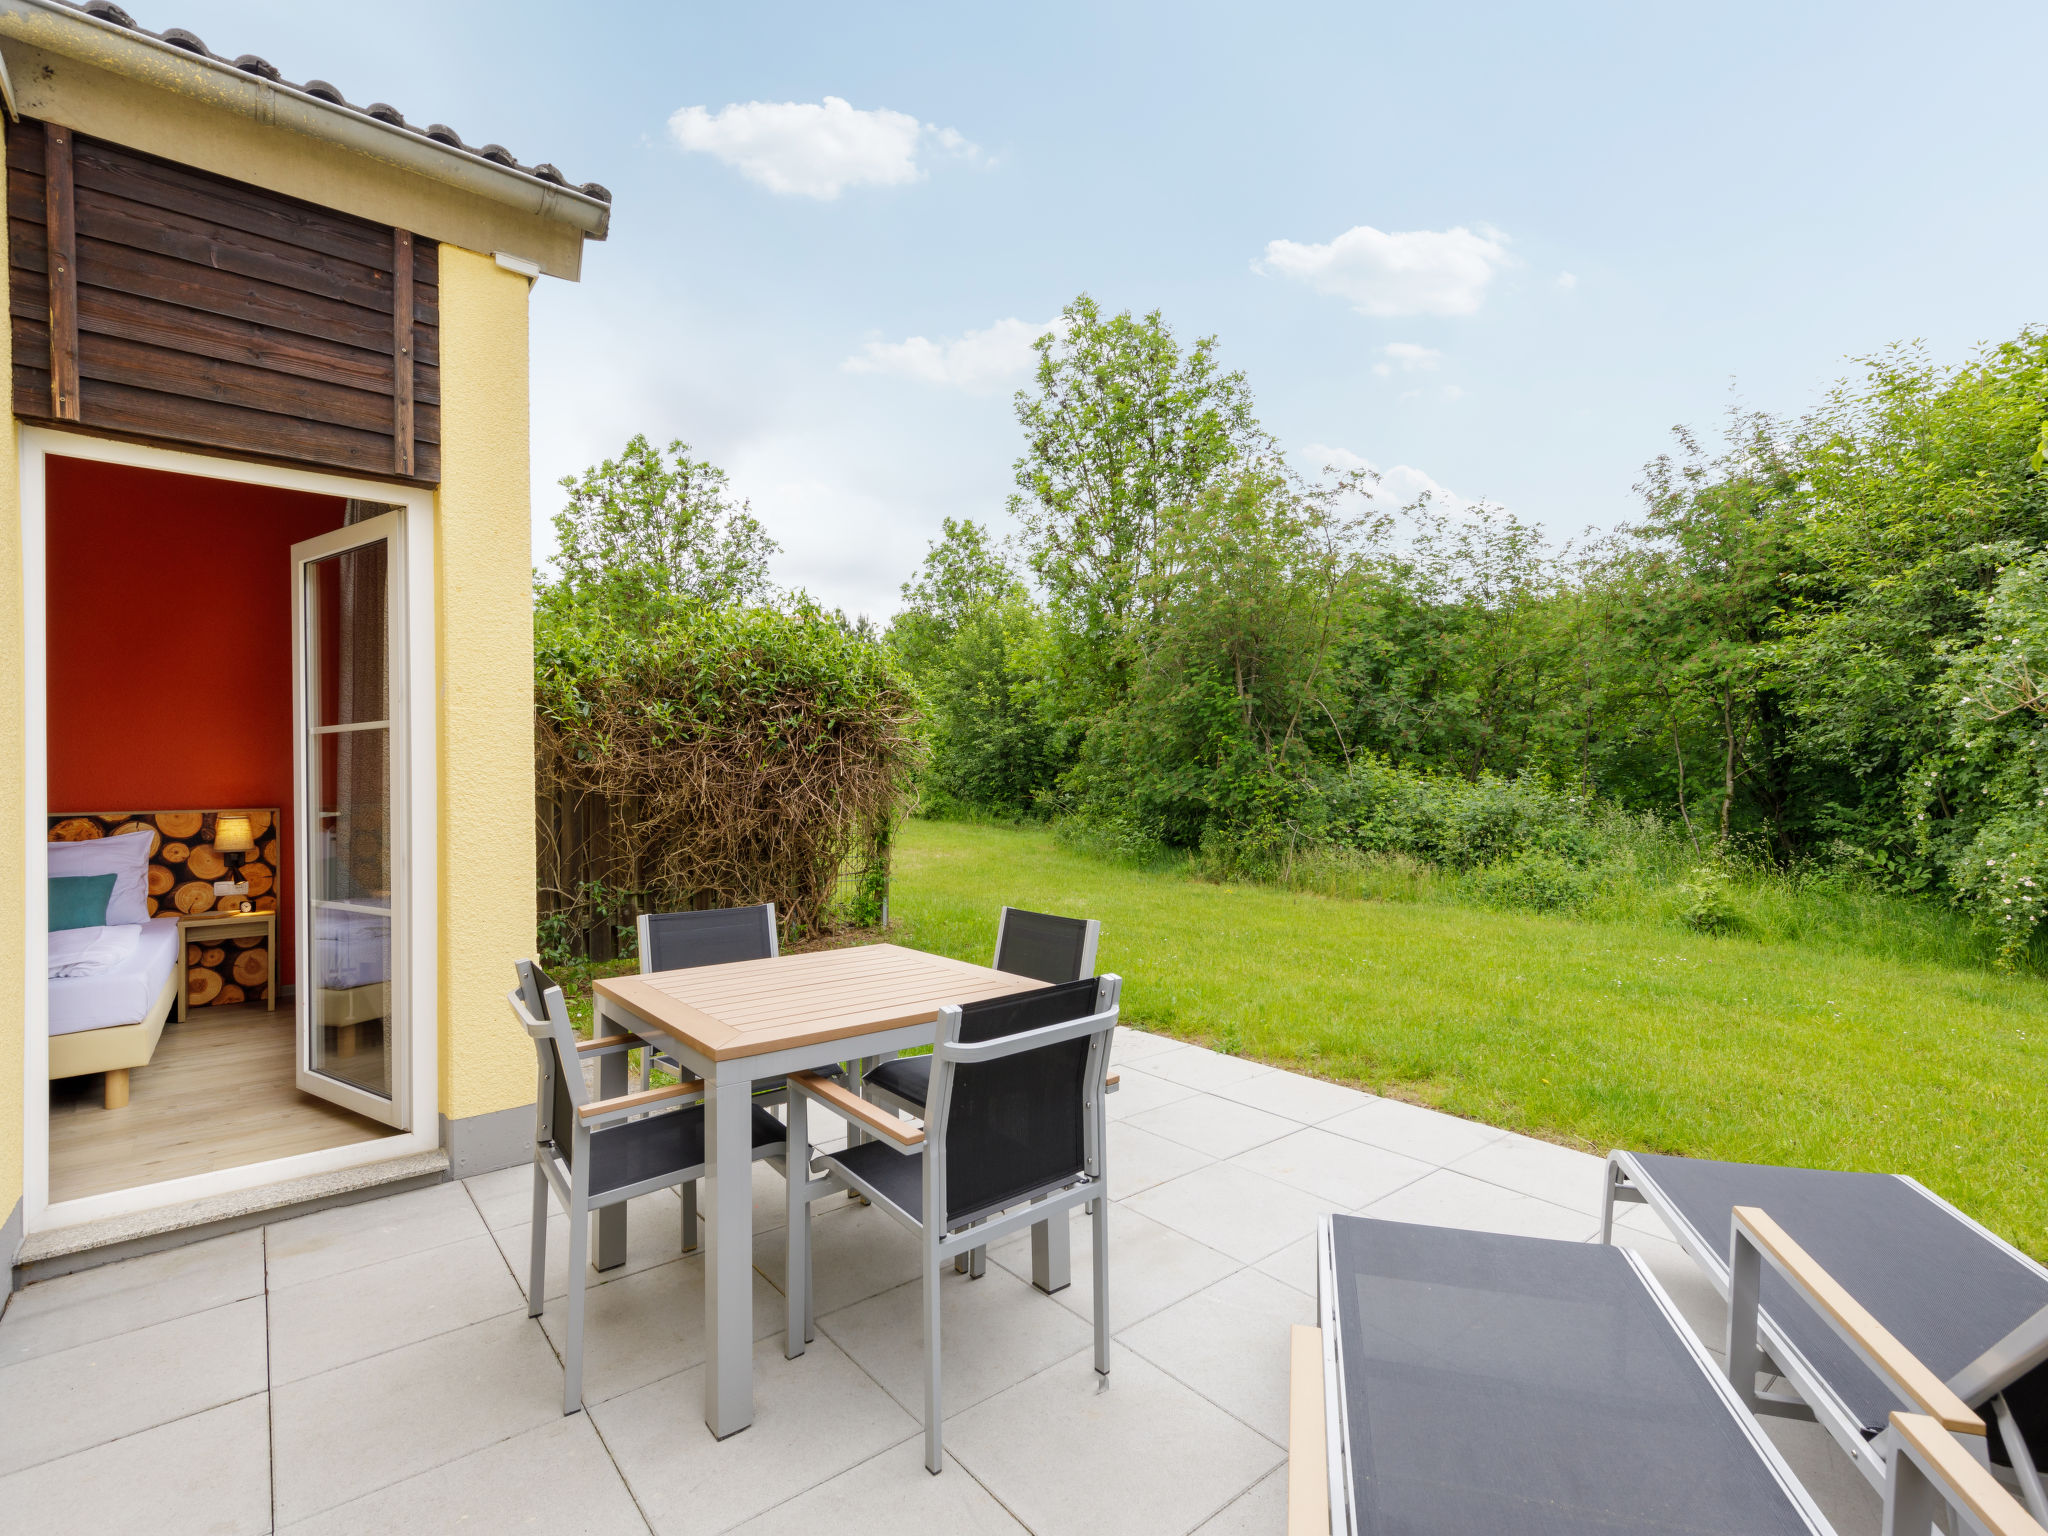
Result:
<point x="80" y="901"/>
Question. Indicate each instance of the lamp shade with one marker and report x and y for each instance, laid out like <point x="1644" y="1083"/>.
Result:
<point x="231" y="833"/>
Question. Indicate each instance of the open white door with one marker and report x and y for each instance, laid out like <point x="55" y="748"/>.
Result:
<point x="348" y="627"/>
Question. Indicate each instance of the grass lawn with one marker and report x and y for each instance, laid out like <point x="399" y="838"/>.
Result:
<point x="1596" y="1034"/>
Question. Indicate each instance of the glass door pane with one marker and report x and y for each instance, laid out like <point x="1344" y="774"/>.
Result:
<point x="351" y="1046"/>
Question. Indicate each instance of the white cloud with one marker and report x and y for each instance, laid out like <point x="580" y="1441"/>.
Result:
<point x="973" y="361"/>
<point x="1401" y="486"/>
<point x="1415" y="272"/>
<point x="1567" y="281"/>
<point x="1408" y="357"/>
<point x="817" y="149"/>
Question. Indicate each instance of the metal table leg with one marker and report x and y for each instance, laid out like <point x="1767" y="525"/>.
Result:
<point x="609" y="1251"/>
<point x="729" y="1256"/>
<point x="1052" y="1254"/>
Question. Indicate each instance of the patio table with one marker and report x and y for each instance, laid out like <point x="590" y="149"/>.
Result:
<point x="731" y="1024"/>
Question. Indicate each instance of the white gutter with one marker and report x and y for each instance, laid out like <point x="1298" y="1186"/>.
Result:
<point x="59" y="29"/>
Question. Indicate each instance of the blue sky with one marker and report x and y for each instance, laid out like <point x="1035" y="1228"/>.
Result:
<point x="1573" y="225"/>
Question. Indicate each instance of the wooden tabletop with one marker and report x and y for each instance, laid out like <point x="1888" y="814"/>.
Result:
<point x="752" y="1007"/>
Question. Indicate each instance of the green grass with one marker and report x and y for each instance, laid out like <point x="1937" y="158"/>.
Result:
<point x="1829" y="1053"/>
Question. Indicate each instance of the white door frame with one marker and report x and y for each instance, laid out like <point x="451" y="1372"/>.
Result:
<point x="39" y="1213"/>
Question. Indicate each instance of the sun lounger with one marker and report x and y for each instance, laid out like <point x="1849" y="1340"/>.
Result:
<point x="1476" y="1382"/>
<point x="1469" y="1381"/>
<point x="1958" y="1300"/>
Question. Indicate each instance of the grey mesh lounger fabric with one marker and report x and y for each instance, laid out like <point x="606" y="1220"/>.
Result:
<point x="1944" y="1287"/>
<point x="1492" y="1383"/>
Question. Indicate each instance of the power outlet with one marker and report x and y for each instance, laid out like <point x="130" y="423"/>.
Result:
<point x="230" y="887"/>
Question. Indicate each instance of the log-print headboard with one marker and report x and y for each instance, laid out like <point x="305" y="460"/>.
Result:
<point x="183" y="864"/>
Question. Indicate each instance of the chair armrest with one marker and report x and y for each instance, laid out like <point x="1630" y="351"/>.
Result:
<point x="626" y="1103"/>
<point x="1922" y="1451"/>
<point x="1109" y="1083"/>
<point x="608" y="1043"/>
<point x="1308" y="1446"/>
<point x="1884" y="1354"/>
<point x="871" y="1117"/>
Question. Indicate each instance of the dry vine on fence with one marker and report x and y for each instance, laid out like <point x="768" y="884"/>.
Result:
<point x="738" y="756"/>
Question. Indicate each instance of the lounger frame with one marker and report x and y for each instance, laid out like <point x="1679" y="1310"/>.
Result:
<point x="2007" y="1361"/>
<point x="1337" y="1438"/>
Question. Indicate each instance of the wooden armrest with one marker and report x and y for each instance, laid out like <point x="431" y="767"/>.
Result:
<point x="682" y="1090"/>
<point x="846" y="1102"/>
<point x="606" y="1042"/>
<point x="1109" y="1083"/>
<point x="1961" y="1478"/>
<point x="1913" y="1381"/>
<point x="1308" y="1448"/>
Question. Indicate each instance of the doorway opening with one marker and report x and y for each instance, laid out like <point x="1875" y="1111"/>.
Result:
<point x="224" y="756"/>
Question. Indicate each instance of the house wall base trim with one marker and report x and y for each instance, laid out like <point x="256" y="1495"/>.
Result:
<point x="10" y="1235"/>
<point x="485" y="1143"/>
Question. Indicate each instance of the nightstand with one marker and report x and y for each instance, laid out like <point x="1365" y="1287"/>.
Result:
<point x="208" y="928"/>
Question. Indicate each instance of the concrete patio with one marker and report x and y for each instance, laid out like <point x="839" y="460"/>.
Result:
<point x="372" y="1368"/>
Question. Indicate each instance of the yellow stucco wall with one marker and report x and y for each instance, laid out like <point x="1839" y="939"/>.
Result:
<point x="483" y="576"/>
<point x="13" y="790"/>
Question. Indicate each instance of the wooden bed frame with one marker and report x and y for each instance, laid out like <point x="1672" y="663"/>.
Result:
<point x="115" y="1048"/>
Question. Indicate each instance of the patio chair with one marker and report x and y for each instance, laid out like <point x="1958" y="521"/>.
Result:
<point x="1967" y="1304"/>
<point x="1045" y="948"/>
<point x="1470" y="1381"/>
<point x="1014" y="1138"/>
<point x="599" y="1153"/>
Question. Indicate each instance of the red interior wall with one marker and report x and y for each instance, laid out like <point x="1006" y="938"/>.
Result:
<point x="170" y="645"/>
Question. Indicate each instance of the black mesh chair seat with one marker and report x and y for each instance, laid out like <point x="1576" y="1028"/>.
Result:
<point x="896" y="1178"/>
<point x="908" y="1077"/>
<point x="660" y="1145"/>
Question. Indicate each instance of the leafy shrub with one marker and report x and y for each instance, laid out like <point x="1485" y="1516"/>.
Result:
<point x="1706" y="894"/>
<point x="1537" y="881"/>
<point x="723" y="757"/>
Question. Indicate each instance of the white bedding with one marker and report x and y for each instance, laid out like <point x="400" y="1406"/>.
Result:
<point x="351" y="949"/>
<point x="122" y="995"/>
<point x="91" y="951"/>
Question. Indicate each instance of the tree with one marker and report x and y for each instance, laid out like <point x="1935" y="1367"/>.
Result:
<point x="1124" y="427"/>
<point x="648" y="533"/>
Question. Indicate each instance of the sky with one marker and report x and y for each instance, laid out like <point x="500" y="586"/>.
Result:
<point x="1494" y="251"/>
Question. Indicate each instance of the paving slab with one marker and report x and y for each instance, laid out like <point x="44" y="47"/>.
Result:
<point x="1540" y="1168"/>
<point x="887" y="1495"/>
<point x="654" y="1235"/>
<point x="352" y="1236"/>
<point x="1214" y="1125"/>
<point x="1138" y="1159"/>
<point x="135" y="1293"/>
<point x="814" y="1417"/>
<point x="1428" y="1135"/>
<point x="994" y="1332"/>
<point x="1138" y="1091"/>
<point x="557" y="1478"/>
<point x="856" y="1252"/>
<point x="1333" y="1168"/>
<point x="1309" y="1100"/>
<point x="1136" y="1044"/>
<point x="351" y="1431"/>
<point x="1209" y="1071"/>
<point x="1232" y="1210"/>
<point x="349" y="1316"/>
<point x="207" y="1474"/>
<point x="1072" y="1453"/>
<point x="1230" y="1343"/>
<point x="1262" y="1511"/>
<point x="648" y="1325"/>
<point x="1448" y="1199"/>
<point x="70" y="1400"/>
<point x="1151" y="1266"/>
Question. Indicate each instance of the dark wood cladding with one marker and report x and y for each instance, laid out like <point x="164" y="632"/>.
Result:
<point x="154" y="301"/>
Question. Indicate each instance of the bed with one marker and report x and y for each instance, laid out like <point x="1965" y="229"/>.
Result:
<point x="111" y="1022"/>
<point x="352" y="960"/>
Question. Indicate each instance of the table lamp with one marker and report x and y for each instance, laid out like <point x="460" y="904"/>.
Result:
<point x="235" y="839"/>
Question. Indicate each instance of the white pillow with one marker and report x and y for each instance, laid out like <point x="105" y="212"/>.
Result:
<point x="125" y="857"/>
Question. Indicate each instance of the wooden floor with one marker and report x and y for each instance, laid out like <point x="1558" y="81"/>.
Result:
<point x="218" y="1094"/>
